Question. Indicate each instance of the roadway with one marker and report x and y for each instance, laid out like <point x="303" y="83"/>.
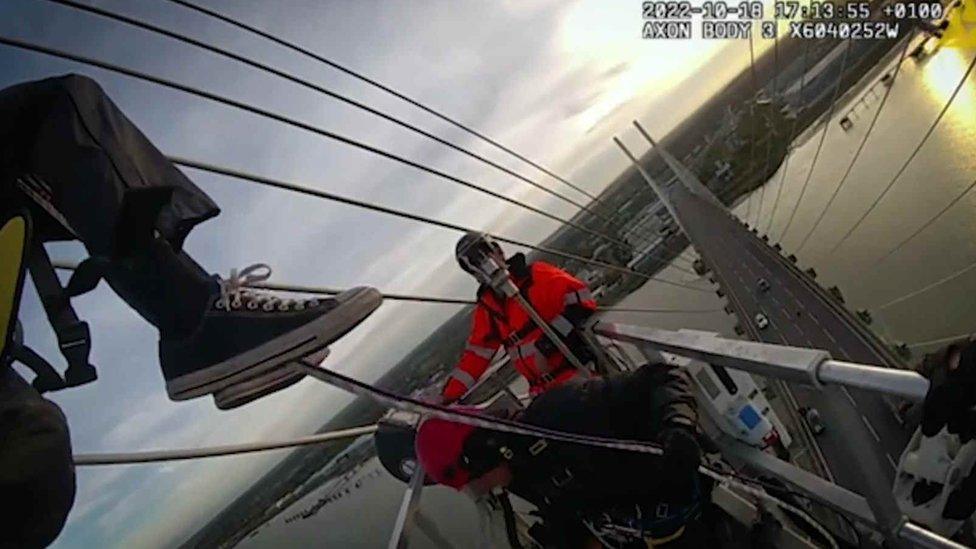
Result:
<point x="800" y="314"/>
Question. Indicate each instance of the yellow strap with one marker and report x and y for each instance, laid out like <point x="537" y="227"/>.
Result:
<point x="13" y="237"/>
<point x="654" y="542"/>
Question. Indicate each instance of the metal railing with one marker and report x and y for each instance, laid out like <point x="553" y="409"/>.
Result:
<point x="877" y="508"/>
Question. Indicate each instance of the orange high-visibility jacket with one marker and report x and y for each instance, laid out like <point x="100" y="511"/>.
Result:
<point x="550" y="290"/>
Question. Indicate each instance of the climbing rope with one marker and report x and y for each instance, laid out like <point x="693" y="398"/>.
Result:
<point x="156" y="456"/>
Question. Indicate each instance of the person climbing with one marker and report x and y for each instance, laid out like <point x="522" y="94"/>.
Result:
<point x="85" y="172"/>
<point x="584" y="492"/>
<point x="78" y="169"/>
<point x="562" y="301"/>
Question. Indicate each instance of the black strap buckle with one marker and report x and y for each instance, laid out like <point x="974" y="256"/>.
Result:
<point x="663" y="510"/>
<point x="75" y="343"/>
<point x="562" y="478"/>
<point x="74" y="337"/>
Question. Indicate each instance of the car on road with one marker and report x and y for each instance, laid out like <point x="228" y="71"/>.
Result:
<point x="812" y="417"/>
<point x="761" y="321"/>
<point x="763" y="285"/>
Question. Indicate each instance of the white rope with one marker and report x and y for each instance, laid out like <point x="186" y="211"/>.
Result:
<point x="154" y="456"/>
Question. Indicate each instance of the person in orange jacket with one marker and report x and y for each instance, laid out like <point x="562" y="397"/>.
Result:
<point x="563" y="301"/>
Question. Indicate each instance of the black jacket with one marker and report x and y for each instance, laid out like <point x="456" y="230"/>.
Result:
<point x="567" y="480"/>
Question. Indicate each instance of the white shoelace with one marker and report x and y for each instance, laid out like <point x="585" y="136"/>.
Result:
<point x="236" y="292"/>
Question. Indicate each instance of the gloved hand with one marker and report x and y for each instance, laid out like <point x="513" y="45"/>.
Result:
<point x="679" y="464"/>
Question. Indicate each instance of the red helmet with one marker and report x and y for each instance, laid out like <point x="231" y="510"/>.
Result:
<point x="440" y="450"/>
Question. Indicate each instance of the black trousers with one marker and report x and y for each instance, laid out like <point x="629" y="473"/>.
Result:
<point x="65" y="136"/>
<point x="86" y="172"/>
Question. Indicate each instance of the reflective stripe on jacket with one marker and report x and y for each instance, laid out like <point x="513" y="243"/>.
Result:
<point x="499" y="323"/>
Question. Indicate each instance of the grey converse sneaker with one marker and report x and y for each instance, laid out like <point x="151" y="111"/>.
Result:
<point x="245" y="333"/>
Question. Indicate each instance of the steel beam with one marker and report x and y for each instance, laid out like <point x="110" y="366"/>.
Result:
<point x="794" y="364"/>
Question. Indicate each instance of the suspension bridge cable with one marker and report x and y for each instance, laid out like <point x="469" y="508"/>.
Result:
<point x="325" y="91"/>
<point x="925" y="225"/>
<point x="328" y="291"/>
<point x="399" y="95"/>
<point x="157" y="456"/>
<point x="762" y="176"/>
<point x="298" y="124"/>
<point x="911" y="157"/>
<point x="789" y="139"/>
<point x="415" y="217"/>
<point x="823" y="137"/>
<point x="928" y="287"/>
<point x="752" y="112"/>
<point x="860" y="148"/>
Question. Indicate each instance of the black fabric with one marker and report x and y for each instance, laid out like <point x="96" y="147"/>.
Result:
<point x="37" y="478"/>
<point x="69" y="134"/>
<point x="166" y="287"/>
<point x="565" y="480"/>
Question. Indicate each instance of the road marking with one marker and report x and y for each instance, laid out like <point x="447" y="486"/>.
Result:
<point x="830" y="337"/>
<point x="848" y="395"/>
<point x="891" y="462"/>
<point x="871" y="428"/>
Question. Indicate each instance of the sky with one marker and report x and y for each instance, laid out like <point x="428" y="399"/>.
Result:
<point x="554" y="80"/>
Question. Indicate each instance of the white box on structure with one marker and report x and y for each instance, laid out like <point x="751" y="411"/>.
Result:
<point x="734" y="402"/>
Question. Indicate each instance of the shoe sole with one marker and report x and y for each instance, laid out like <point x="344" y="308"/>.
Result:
<point x="298" y="343"/>
<point x="264" y="384"/>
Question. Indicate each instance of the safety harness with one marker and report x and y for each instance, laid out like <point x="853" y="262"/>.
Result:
<point x="134" y="228"/>
<point x="523" y="273"/>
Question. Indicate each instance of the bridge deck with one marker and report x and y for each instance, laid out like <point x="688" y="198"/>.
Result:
<point x="800" y="314"/>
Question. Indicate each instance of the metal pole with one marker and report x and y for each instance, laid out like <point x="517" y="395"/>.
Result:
<point x="655" y="186"/>
<point x="549" y="332"/>
<point x="920" y="537"/>
<point x="874" y="378"/>
<point x="400" y="537"/>
<point x="793" y="364"/>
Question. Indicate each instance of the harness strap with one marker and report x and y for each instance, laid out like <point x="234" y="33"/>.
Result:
<point x="74" y="337"/>
<point x="47" y="378"/>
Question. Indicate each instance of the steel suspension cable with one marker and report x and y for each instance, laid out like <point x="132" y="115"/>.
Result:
<point x="328" y="291"/>
<point x="789" y="140"/>
<point x="925" y="225"/>
<point x="298" y="124"/>
<point x="387" y="89"/>
<point x="415" y="217"/>
<point x="157" y="456"/>
<point x="320" y="89"/>
<point x="860" y="148"/>
<point x="752" y="114"/>
<point x="823" y="137"/>
<point x="928" y="287"/>
<point x="911" y="157"/>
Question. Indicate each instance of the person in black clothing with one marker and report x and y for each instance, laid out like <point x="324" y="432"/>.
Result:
<point x="584" y="493"/>
<point x="76" y="168"/>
